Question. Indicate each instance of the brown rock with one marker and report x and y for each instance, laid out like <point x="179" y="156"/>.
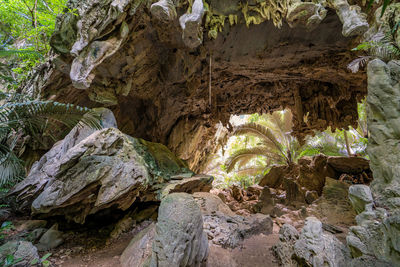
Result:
<point x="351" y="165"/>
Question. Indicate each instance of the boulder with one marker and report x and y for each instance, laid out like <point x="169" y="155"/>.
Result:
<point x="283" y="250"/>
<point x="179" y="239"/>
<point x="312" y="247"/>
<point x="316" y="248"/>
<point x="225" y="228"/>
<point x="351" y="165"/>
<point x="22" y="251"/>
<point x="138" y="252"/>
<point x="51" y="239"/>
<point x="86" y="173"/>
<point x="360" y="196"/>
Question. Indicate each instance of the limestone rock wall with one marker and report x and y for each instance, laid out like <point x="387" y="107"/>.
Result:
<point x="150" y="63"/>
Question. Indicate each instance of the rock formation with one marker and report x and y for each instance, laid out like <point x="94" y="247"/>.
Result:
<point x="90" y="171"/>
<point x="179" y="238"/>
<point x="151" y="63"/>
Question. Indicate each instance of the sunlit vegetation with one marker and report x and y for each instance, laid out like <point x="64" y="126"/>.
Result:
<point x="259" y="142"/>
<point x="25" y="30"/>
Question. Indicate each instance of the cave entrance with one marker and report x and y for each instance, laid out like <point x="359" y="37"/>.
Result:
<point x="252" y="144"/>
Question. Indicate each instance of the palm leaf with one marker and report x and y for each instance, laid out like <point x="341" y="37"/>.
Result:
<point x="259" y="131"/>
<point x="20" y="53"/>
<point x="355" y="65"/>
<point x="251" y="171"/>
<point x="246" y="153"/>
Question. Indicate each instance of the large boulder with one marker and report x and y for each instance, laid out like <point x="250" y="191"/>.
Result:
<point x="179" y="239"/>
<point x="226" y="229"/>
<point x="89" y="172"/>
<point x="312" y="247"/>
<point x="138" y="252"/>
<point x="22" y="253"/>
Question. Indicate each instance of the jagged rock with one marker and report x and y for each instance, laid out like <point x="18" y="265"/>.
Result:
<point x="226" y="229"/>
<point x="36" y="234"/>
<point x="22" y="250"/>
<point x="164" y="10"/>
<point x="192" y="34"/>
<point x="42" y="171"/>
<point x="283" y="250"/>
<point x="312" y="247"/>
<point x="197" y="183"/>
<point x="105" y="169"/>
<point x="360" y="196"/>
<point x="351" y="165"/>
<point x="305" y="13"/>
<point x="354" y="22"/>
<point x="51" y="239"/>
<point x="122" y="226"/>
<point x="179" y="238"/>
<point x="333" y="207"/>
<point x="138" y="252"/>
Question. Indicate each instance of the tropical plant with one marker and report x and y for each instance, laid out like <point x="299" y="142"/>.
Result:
<point x="23" y="120"/>
<point x="381" y="45"/>
<point x="276" y="144"/>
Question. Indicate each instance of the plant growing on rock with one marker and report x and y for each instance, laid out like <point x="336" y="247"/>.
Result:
<point x="23" y="120"/>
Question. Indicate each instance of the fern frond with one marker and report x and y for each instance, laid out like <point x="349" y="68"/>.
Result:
<point x="355" y="65"/>
<point x="20" y="53"/>
<point x="246" y="153"/>
<point x="259" y="131"/>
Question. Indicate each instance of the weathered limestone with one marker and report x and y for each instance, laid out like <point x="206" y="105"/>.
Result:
<point x="354" y="22"/>
<point x="43" y="170"/>
<point x="312" y="247"/>
<point x="93" y="170"/>
<point x="22" y="250"/>
<point x="375" y="239"/>
<point x="226" y="229"/>
<point x="192" y="32"/>
<point x="179" y="238"/>
<point x="164" y="10"/>
<point x="307" y="14"/>
<point x="138" y="252"/>
<point x="360" y="196"/>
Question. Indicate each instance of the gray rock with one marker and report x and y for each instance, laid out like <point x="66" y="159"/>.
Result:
<point x="226" y="229"/>
<point x="354" y="22"/>
<point x="164" y="10"/>
<point x="85" y="174"/>
<point x="51" y="239"/>
<point x="179" y="238"/>
<point x="192" y="32"/>
<point x="23" y="251"/>
<point x="316" y="248"/>
<point x="305" y="13"/>
<point x="360" y="196"/>
<point x="312" y="247"/>
<point x="138" y="252"/>
<point x="35" y="235"/>
<point x="284" y="250"/>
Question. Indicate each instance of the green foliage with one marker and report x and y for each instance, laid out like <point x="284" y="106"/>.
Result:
<point x="23" y="120"/>
<point x="25" y="30"/>
<point x="42" y="261"/>
<point x="385" y="4"/>
<point x="10" y="261"/>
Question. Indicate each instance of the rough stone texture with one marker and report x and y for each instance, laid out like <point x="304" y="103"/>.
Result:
<point x="305" y="13"/>
<point x="42" y="171"/>
<point x="354" y="22"/>
<point x="226" y="229"/>
<point x="376" y="236"/>
<point x="312" y="247"/>
<point x="106" y="169"/>
<point x="288" y="236"/>
<point x="51" y="239"/>
<point x="134" y="63"/>
<point x="360" y="196"/>
<point x="192" y="32"/>
<point x="351" y="165"/>
<point x="138" y="252"/>
<point x="179" y="238"/>
<point x="20" y="250"/>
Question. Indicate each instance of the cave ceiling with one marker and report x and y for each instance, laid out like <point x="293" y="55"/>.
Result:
<point x="159" y="89"/>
